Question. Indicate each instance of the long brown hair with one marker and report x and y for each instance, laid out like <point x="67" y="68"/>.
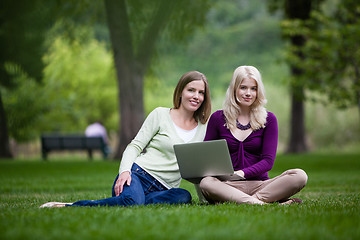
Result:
<point x="204" y="111"/>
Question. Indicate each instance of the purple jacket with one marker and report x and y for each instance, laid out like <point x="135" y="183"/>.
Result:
<point x="256" y="154"/>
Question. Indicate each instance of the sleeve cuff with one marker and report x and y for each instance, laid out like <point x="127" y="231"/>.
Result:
<point x="125" y="171"/>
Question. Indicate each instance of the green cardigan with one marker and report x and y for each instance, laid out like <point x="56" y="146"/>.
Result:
<point x="158" y="135"/>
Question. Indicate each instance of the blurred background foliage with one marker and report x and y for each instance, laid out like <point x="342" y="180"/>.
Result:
<point x="78" y="88"/>
<point x="79" y="85"/>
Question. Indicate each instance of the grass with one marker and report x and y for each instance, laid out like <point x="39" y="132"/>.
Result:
<point x="330" y="209"/>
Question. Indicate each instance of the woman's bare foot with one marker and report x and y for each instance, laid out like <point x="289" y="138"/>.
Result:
<point x="290" y="201"/>
<point x="54" y="204"/>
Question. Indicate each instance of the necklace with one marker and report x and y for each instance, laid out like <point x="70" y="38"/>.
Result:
<point x="242" y="127"/>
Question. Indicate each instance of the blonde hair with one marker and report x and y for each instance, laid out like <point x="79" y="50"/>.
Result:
<point x="231" y="106"/>
<point x="204" y="111"/>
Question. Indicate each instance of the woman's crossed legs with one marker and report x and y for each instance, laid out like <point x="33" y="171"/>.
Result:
<point x="254" y="192"/>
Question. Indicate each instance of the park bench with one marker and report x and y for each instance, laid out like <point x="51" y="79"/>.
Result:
<point x="72" y="142"/>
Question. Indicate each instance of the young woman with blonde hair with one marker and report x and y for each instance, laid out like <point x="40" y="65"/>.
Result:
<point x="252" y="135"/>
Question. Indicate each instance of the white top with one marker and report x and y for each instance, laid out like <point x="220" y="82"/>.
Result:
<point x="185" y="135"/>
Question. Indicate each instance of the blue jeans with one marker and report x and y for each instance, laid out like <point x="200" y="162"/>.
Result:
<point x="143" y="190"/>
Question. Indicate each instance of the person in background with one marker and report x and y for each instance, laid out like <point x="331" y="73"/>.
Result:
<point x="98" y="130"/>
<point x="149" y="173"/>
<point x="252" y="136"/>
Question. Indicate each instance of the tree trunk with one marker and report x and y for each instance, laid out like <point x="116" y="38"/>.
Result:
<point x="358" y="103"/>
<point x="297" y="143"/>
<point x="129" y="76"/>
<point x="131" y="67"/>
<point x="131" y="109"/>
<point x="357" y="83"/>
<point x="297" y="9"/>
<point x="5" y="152"/>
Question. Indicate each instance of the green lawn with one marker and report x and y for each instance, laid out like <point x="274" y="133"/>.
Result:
<point x="330" y="210"/>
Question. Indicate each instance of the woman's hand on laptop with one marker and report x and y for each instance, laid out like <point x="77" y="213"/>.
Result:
<point x="124" y="177"/>
<point x="240" y="173"/>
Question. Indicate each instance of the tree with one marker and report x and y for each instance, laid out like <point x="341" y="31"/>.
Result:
<point x="21" y="51"/>
<point x="295" y="11"/>
<point x="27" y="33"/>
<point x="333" y="53"/>
<point x="79" y="85"/>
<point x="135" y="26"/>
<point x="4" y="135"/>
<point x="324" y="57"/>
<point x="24" y="105"/>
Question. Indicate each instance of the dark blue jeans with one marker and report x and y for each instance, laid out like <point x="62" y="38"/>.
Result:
<point x="143" y="190"/>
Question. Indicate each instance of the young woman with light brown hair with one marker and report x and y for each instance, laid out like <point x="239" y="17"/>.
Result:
<point x="149" y="173"/>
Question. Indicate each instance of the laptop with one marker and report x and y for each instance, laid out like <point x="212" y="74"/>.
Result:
<point x="200" y="159"/>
